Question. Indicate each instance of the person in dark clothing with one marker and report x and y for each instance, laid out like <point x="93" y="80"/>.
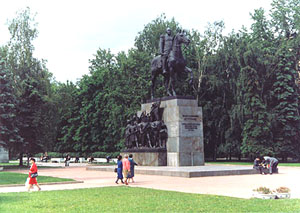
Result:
<point x="91" y="159"/>
<point x="67" y="160"/>
<point x="132" y="164"/>
<point x="119" y="169"/>
<point x="258" y="165"/>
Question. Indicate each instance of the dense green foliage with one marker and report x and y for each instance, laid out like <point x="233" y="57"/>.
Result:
<point x="135" y="199"/>
<point x="34" y="112"/>
<point x="9" y="132"/>
<point x="247" y="83"/>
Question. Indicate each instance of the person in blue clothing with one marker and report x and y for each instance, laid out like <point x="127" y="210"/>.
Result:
<point x="132" y="164"/>
<point x="119" y="170"/>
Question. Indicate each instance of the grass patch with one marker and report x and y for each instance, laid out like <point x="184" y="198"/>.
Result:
<point x="16" y="166"/>
<point x="248" y="163"/>
<point x="131" y="199"/>
<point x="290" y="164"/>
<point x="9" y="164"/>
<point x="17" y="178"/>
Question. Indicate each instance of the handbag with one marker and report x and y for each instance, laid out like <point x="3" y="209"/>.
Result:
<point x="34" y="175"/>
<point x="116" y="170"/>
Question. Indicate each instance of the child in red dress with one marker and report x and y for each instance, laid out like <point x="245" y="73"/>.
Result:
<point x="33" y="169"/>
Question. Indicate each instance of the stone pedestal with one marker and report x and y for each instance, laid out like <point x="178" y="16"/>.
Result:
<point x="148" y="157"/>
<point x="183" y="118"/>
<point x="3" y="155"/>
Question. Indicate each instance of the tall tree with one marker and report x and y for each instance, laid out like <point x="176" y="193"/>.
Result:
<point x="284" y="98"/>
<point x="31" y="82"/>
<point x="9" y="133"/>
<point x="257" y="137"/>
<point x="286" y="17"/>
<point x="65" y="96"/>
<point x="286" y="110"/>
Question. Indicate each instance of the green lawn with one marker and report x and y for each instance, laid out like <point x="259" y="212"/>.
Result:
<point x="131" y="199"/>
<point x="249" y="163"/>
<point x="9" y="164"/>
<point x="17" y="178"/>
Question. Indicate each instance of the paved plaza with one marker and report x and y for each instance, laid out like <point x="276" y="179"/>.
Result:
<point x="240" y="186"/>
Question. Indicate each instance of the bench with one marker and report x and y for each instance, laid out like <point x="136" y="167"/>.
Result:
<point x="103" y="160"/>
<point x="72" y="160"/>
<point x="36" y="159"/>
<point x="57" y="160"/>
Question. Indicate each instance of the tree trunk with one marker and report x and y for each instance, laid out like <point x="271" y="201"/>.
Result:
<point x="27" y="159"/>
<point x="215" y="152"/>
<point x="21" y="159"/>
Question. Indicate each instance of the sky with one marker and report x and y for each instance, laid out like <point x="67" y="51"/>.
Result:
<point x="71" y="32"/>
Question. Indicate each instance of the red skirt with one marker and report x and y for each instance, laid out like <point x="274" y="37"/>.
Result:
<point x="32" y="181"/>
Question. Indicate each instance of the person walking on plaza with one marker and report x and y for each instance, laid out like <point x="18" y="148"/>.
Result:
<point x="119" y="169"/>
<point x="132" y="164"/>
<point x="126" y="168"/>
<point x="32" y="178"/>
<point x="272" y="162"/>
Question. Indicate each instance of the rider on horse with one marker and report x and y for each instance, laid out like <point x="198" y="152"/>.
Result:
<point x="165" y="46"/>
<point x="171" y="61"/>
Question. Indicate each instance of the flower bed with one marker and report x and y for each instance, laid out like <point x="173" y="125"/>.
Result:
<point x="266" y="193"/>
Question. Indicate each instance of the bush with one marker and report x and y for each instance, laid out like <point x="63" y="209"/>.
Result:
<point x="98" y="155"/>
<point x="105" y="154"/>
<point x="263" y="190"/>
<point x="55" y="155"/>
<point x="61" y="155"/>
<point x="77" y="154"/>
<point x="38" y="155"/>
<point x="283" y="190"/>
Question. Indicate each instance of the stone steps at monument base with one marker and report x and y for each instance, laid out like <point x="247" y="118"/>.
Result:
<point x="186" y="172"/>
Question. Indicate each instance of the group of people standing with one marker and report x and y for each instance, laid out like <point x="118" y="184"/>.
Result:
<point x="125" y="169"/>
<point x="266" y="165"/>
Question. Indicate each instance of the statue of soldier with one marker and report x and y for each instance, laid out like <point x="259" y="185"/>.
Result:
<point x="165" y="46"/>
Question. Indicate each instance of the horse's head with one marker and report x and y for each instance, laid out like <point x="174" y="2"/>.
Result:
<point x="182" y="38"/>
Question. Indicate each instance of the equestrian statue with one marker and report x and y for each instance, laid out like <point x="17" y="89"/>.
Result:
<point x="170" y="62"/>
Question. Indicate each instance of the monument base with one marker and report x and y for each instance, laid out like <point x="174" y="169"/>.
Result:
<point x="183" y="118"/>
<point x="148" y="157"/>
<point x="4" y="158"/>
<point x="186" y="171"/>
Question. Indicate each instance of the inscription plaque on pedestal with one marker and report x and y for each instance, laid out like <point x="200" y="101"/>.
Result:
<point x="183" y="119"/>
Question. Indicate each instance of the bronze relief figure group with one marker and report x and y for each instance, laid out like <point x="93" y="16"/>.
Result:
<point x="147" y="131"/>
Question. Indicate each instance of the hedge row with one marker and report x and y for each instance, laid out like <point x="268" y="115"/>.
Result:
<point x="75" y="154"/>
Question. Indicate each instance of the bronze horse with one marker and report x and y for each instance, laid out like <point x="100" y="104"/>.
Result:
<point x="175" y="65"/>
